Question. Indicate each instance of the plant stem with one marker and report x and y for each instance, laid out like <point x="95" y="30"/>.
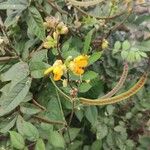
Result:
<point x="7" y="58"/>
<point x="67" y="125"/>
<point x="49" y="121"/>
<point x="56" y="7"/>
<point x="38" y="105"/>
<point x="72" y="112"/>
<point x="60" y="91"/>
<point x="60" y="105"/>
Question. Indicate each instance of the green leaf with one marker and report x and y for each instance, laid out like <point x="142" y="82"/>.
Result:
<point x="12" y="99"/>
<point x="87" y="42"/>
<point x="110" y="139"/>
<point x="75" y="145"/>
<point x="39" y="56"/>
<point x="84" y="87"/>
<point x="29" y="109"/>
<point x="15" y="74"/>
<point x="124" y="54"/>
<point x="40" y="145"/>
<point x="73" y="134"/>
<point x="66" y="45"/>
<point x="6" y="128"/>
<point x="17" y="140"/>
<point x="13" y="18"/>
<point x="28" y="97"/>
<point x="91" y="114"/>
<point x="72" y="53"/>
<point x="14" y="5"/>
<point x="19" y="69"/>
<point x="94" y="57"/>
<point x="144" y="141"/>
<point x="110" y="109"/>
<point x="144" y="45"/>
<point x="26" y="148"/>
<point x="119" y="128"/>
<point x="102" y="131"/>
<point x="89" y="75"/>
<point x="56" y="139"/>
<point x="143" y="54"/>
<point x="126" y="45"/>
<point x="27" y="129"/>
<point x="137" y="57"/>
<point x="117" y="45"/>
<point x="97" y="145"/>
<point x="130" y="144"/>
<point x="55" y="112"/>
<point x="131" y="56"/>
<point x="26" y="48"/>
<point x="79" y="114"/>
<point x="115" y="51"/>
<point x="128" y="115"/>
<point x="37" y="68"/>
<point x="35" y="23"/>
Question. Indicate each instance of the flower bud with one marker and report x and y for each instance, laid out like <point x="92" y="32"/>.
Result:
<point x="62" y="28"/>
<point x="65" y="83"/>
<point x="104" y="44"/>
<point x="51" y="22"/>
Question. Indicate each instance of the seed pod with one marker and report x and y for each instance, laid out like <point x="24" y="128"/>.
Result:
<point x="119" y="97"/>
<point x="119" y="84"/>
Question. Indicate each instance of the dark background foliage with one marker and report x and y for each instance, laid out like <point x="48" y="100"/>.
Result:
<point x="34" y="114"/>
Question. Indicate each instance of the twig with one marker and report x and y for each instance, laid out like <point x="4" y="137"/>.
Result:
<point x="8" y="58"/>
<point x="58" y="50"/>
<point x="97" y="17"/>
<point x="58" y="98"/>
<point x="60" y="91"/>
<point x="68" y="79"/>
<point x="72" y="112"/>
<point x="67" y="125"/>
<point x="118" y="25"/>
<point x="49" y="121"/>
<point x="55" y="6"/>
<point x="85" y="3"/>
<point x="38" y="105"/>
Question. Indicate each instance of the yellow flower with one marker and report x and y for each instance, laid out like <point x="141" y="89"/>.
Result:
<point x="58" y="70"/>
<point x="82" y="60"/>
<point x="105" y="44"/>
<point x="78" y="64"/>
<point x="75" y="68"/>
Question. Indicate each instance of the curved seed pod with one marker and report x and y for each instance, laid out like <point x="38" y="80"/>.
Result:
<point x="117" y="98"/>
<point x="85" y="4"/>
<point x="119" y="84"/>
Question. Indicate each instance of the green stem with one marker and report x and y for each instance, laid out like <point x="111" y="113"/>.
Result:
<point x="49" y="121"/>
<point x="60" y="105"/>
<point x="60" y="91"/>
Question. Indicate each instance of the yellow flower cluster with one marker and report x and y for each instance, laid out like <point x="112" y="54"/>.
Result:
<point x="58" y="70"/>
<point x="76" y="65"/>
